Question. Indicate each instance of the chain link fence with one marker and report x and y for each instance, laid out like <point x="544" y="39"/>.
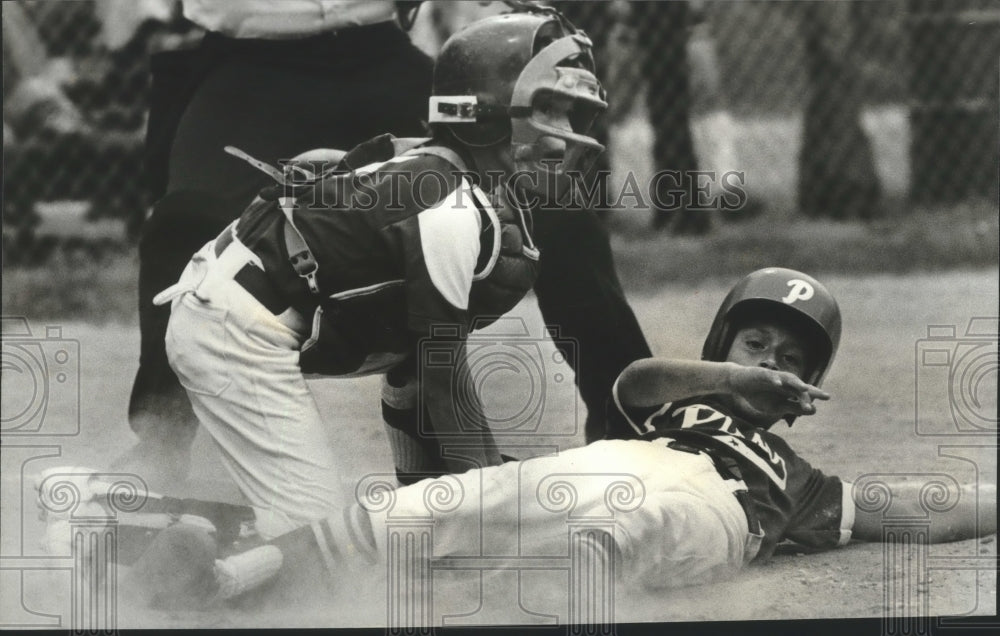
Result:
<point x="76" y="94"/>
<point x="829" y="109"/>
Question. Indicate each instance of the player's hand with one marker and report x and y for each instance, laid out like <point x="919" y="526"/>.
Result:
<point x="769" y="392"/>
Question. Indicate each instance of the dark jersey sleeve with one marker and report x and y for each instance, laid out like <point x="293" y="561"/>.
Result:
<point x="408" y="226"/>
<point x="819" y="512"/>
<point x="630" y="422"/>
<point x="822" y="510"/>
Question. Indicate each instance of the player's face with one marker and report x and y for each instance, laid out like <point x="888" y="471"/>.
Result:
<point x="771" y="346"/>
<point x="554" y="111"/>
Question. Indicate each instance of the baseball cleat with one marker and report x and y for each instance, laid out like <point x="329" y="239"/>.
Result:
<point x="66" y="493"/>
<point x="71" y="491"/>
<point x="69" y="497"/>
<point x="241" y="573"/>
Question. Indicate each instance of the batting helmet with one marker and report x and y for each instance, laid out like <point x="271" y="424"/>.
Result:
<point x="489" y="77"/>
<point x="782" y="294"/>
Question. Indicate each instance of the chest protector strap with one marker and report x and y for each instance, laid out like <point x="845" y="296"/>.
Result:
<point x="301" y="257"/>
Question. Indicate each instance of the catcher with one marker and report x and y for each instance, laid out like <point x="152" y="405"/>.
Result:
<point x="393" y="252"/>
<point x="711" y="487"/>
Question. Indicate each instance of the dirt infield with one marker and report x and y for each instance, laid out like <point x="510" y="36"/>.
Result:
<point x="894" y="411"/>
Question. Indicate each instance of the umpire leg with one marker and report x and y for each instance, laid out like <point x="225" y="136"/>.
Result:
<point x="579" y="293"/>
<point x="159" y="411"/>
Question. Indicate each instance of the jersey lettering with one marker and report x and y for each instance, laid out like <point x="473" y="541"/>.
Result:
<point x="698" y="414"/>
<point x="772" y="464"/>
<point x="775" y="461"/>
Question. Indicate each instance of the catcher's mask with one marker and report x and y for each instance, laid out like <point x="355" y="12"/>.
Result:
<point x="490" y="78"/>
<point x="783" y="296"/>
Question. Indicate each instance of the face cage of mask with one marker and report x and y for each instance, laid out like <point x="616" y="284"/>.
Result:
<point x="544" y="78"/>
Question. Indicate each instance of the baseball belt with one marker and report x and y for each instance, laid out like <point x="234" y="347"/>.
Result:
<point x="253" y="279"/>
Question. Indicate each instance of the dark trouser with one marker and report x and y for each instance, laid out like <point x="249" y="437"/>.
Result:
<point x="668" y="100"/>
<point x="578" y="291"/>
<point x="273" y="99"/>
<point x="182" y="222"/>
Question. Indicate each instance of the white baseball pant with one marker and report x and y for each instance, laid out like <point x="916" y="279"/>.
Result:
<point x="674" y="519"/>
<point x="239" y="365"/>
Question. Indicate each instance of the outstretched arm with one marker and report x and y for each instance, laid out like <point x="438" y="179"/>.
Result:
<point x="974" y="513"/>
<point x="655" y="381"/>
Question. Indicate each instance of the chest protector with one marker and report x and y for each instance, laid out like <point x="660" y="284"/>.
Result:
<point x="511" y="261"/>
<point x="363" y="331"/>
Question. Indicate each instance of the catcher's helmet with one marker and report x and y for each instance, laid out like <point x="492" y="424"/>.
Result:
<point x="489" y="77"/>
<point x="779" y="294"/>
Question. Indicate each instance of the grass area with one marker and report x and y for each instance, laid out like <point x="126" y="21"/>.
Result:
<point x="76" y="285"/>
<point x="927" y="239"/>
<point x="766" y="149"/>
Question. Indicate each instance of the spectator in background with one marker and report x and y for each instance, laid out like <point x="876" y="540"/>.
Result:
<point x="644" y="45"/>
<point x="661" y="33"/>
<point x="712" y="125"/>
<point x="37" y="115"/>
<point x="655" y="35"/>
<point x="75" y="89"/>
<point x="837" y="174"/>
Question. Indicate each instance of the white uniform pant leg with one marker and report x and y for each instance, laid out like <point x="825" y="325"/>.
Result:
<point x="673" y="517"/>
<point x="690" y="528"/>
<point x="687" y="536"/>
<point x="491" y="511"/>
<point x="239" y="365"/>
